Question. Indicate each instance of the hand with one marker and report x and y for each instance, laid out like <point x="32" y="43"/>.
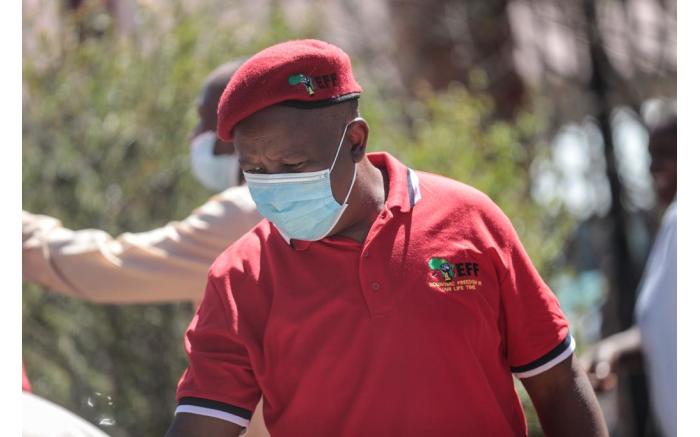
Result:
<point x="605" y="358"/>
<point x="34" y="224"/>
<point x="601" y="364"/>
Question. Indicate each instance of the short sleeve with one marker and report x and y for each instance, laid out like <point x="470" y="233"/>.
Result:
<point x="219" y="381"/>
<point x="536" y="332"/>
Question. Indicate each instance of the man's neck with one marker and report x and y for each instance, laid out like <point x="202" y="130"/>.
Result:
<point x="371" y="196"/>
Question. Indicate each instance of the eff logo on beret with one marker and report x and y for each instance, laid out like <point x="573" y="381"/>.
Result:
<point x="296" y="79"/>
<point x="323" y="81"/>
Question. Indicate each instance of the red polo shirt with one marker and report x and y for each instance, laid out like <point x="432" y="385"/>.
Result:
<point x="417" y="331"/>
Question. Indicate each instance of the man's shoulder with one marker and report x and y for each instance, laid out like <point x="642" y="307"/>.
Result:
<point x="444" y="198"/>
<point x="245" y="252"/>
<point x="441" y="190"/>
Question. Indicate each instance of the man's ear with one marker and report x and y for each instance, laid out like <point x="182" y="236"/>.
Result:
<point x="358" y="133"/>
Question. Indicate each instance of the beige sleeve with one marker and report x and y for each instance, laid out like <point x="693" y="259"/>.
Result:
<point x="165" y="264"/>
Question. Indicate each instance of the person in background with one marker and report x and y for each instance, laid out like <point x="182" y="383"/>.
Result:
<point x="654" y="334"/>
<point x="163" y="265"/>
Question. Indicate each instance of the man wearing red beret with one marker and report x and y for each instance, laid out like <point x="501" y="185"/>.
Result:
<point x="373" y="299"/>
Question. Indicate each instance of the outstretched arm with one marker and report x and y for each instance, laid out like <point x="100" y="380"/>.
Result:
<point x="165" y="264"/>
<point x="565" y="402"/>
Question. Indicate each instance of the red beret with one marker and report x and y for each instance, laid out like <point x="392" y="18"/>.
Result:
<point x="304" y="73"/>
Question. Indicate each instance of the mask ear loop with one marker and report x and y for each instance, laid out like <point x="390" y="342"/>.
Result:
<point x="354" y="166"/>
<point x="337" y="151"/>
<point x="354" y="175"/>
<point x="344" y="205"/>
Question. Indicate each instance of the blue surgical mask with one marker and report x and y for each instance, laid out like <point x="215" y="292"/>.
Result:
<point x="216" y="172"/>
<point x="300" y="205"/>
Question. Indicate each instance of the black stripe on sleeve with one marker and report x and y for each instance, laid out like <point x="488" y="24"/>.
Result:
<point x="216" y="405"/>
<point x="549" y="356"/>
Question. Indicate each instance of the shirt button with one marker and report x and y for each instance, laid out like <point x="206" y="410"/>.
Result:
<point x="365" y="255"/>
<point x="375" y="286"/>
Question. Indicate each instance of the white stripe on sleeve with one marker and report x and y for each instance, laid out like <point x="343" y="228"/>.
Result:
<point x="210" y="412"/>
<point x="551" y="363"/>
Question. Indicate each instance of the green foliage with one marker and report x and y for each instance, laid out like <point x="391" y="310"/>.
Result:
<point x="106" y="121"/>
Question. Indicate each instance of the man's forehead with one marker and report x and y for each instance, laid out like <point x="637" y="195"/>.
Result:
<point x="278" y="140"/>
<point x="252" y="152"/>
<point x="281" y="120"/>
<point x="258" y="135"/>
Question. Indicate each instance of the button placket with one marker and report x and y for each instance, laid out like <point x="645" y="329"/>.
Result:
<point x="373" y="277"/>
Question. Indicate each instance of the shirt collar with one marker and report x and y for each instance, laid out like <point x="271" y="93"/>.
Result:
<point x="404" y="189"/>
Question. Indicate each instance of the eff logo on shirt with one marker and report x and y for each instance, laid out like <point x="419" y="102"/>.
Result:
<point x="447" y="277"/>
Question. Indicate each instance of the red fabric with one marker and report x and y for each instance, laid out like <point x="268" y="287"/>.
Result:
<point x="349" y="339"/>
<point x="264" y="80"/>
<point x="26" y="386"/>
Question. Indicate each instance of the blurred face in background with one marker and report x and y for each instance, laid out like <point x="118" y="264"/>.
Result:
<point x="206" y="110"/>
<point x="214" y="162"/>
<point x="662" y="148"/>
